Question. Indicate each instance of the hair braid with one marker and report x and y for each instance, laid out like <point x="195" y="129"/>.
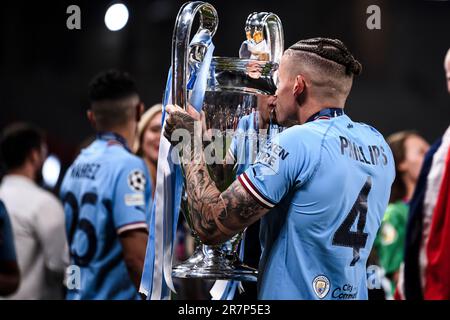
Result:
<point x="330" y="49"/>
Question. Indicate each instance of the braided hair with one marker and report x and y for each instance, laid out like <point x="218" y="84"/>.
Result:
<point x="330" y="49"/>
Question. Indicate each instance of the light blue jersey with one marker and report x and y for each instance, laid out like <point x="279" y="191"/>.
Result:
<point x="104" y="194"/>
<point x="331" y="178"/>
<point x="246" y="140"/>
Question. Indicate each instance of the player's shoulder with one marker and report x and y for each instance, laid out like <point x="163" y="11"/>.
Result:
<point x="369" y="129"/>
<point x="116" y="157"/>
<point x="302" y="130"/>
<point x="306" y="135"/>
<point x="132" y="169"/>
<point x="110" y="162"/>
<point x="130" y="161"/>
<point x="299" y="141"/>
<point x="128" y="164"/>
<point x="371" y="135"/>
<point x="131" y="174"/>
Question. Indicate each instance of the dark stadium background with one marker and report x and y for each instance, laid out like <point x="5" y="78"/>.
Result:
<point x="45" y="68"/>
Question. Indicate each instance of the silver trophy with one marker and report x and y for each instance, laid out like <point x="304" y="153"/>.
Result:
<point x="238" y="92"/>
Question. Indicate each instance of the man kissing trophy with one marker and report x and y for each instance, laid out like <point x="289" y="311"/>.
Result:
<point x="236" y="117"/>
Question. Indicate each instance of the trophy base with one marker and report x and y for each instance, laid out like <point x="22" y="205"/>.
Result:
<point x="210" y="263"/>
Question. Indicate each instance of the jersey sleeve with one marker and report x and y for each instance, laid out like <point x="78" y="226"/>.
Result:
<point x="7" y="248"/>
<point x="131" y="196"/>
<point x="285" y="163"/>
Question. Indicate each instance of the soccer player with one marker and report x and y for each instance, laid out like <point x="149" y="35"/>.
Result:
<point x="105" y="193"/>
<point x="330" y="176"/>
<point x="9" y="270"/>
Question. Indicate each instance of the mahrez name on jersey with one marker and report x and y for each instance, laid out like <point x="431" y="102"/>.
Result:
<point x="85" y="170"/>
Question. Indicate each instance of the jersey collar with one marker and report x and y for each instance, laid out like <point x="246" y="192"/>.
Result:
<point x="113" y="138"/>
<point x="326" y="113"/>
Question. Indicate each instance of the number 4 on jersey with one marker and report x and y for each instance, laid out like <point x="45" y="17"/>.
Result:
<point x="343" y="236"/>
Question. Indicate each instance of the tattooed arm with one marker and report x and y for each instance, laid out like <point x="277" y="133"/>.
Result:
<point x="215" y="216"/>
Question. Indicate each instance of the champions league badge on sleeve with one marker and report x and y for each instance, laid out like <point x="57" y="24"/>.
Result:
<point x="321" y="286"/>
<point x="136" y="181"/>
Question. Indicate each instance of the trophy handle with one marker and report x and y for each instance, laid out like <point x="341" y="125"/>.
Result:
<point x="274" y="31"/>
<point x="180" y="42"/>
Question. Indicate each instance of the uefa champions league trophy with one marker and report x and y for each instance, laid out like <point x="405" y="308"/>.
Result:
<point x="237" y="88"/>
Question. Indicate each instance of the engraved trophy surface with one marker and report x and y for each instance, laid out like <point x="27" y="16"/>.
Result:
<point x="238" y="92"/>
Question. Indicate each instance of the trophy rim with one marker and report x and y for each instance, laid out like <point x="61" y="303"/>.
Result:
<point x="240" y="64"/>
<point x="242" y="75"/>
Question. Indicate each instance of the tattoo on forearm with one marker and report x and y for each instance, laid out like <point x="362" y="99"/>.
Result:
<point x="234" y="209"/>
<point x="203" y="199"/>
<point x="214" y="215"/>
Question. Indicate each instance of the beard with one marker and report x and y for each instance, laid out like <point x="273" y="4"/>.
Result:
<point x="287" y="122"/>
<point x="39" y="179"/>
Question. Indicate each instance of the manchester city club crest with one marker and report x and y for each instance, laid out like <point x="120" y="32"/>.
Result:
<point x="321" y="286"/>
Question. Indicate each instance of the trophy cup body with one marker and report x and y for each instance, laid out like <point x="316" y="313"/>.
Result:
<point x="236" y="120"/>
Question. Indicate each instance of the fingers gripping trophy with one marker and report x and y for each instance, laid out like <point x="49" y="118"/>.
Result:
<point x="236" y="95"/>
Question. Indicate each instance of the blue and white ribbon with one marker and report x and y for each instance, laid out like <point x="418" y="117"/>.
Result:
<point x="225" y="289"/>
<point x="156" y="282"/>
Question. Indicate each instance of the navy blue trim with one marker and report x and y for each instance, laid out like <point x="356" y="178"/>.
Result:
<point x="112" y="136"/>
<point x="327" y="112"/>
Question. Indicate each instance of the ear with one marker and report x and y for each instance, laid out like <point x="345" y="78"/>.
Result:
<point x="299" y="85"/>
<point x="91" y="117"/>
<point x="139" y="111"/>
<point x="35" y="157"/>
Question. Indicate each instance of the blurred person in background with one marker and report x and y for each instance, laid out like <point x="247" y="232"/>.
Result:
<point x="147" y="143"/>
<point x="37" y="217"/>
<point x="105" y="194"/>
<point x="9" y="270"/>
<point x="426" y="272"/>
<point x="447" y="70"/>
<point x="409" y="150"/>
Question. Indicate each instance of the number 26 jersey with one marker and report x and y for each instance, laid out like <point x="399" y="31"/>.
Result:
<point x="105" y="193"/>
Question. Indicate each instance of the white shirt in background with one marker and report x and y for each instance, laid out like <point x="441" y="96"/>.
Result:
<point x="38" y="223"/>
